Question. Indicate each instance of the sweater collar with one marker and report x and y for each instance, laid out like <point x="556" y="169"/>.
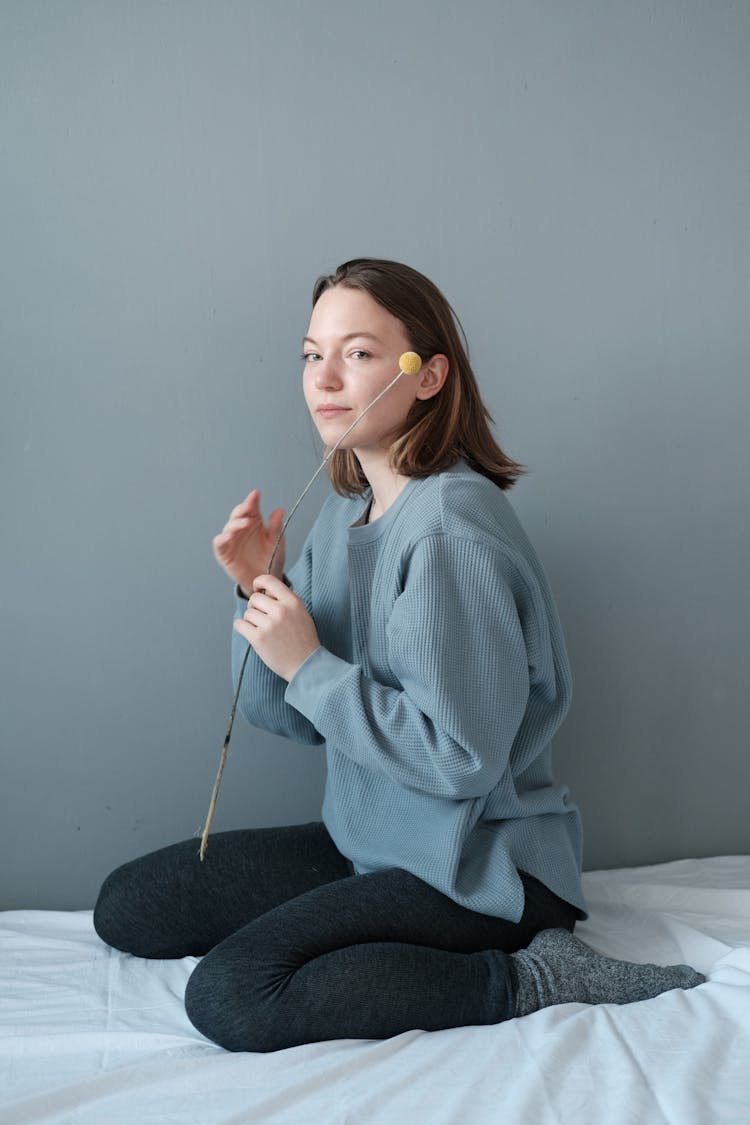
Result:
<point x="368" y="532"/>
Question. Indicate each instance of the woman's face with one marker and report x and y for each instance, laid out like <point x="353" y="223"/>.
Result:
<point x="351" y="353"/>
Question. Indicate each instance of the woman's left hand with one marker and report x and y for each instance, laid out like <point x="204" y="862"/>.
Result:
<point x="277" y="626"/>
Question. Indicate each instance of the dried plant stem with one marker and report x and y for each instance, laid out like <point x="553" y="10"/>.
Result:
<point x="271" y="561"/>
<point x="223" y="759"/>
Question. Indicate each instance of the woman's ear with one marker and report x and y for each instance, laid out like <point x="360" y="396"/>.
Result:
<point x="432" y="376"/>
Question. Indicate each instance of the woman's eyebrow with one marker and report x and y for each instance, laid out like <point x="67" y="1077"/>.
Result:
<point x="349" y="336"/>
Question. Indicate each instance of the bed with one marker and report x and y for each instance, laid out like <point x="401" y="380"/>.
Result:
<point x="88" y="1035"/>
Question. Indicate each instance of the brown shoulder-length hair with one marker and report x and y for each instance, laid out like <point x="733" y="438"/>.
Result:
<point x="440" y="430"/>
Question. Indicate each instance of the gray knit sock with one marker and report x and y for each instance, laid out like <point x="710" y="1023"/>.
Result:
<point x="557" y="968"/>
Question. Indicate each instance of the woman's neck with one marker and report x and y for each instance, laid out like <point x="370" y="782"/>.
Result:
<point x="386" y="484"/>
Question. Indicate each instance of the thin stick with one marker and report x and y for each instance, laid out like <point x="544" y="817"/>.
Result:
<point x="298" y="501"/>
<point x="223" y="759"/>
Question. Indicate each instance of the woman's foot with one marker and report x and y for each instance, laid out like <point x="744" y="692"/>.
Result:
<point x="557" y="968"/>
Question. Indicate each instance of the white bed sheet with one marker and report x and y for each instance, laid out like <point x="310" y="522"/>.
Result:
<point x="93" y="1037"/>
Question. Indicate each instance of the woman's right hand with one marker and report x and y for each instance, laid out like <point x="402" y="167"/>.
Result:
<point x="243" y="547"/>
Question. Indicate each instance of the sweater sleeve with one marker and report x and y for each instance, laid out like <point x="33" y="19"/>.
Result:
<point x="261" y="699"/>
<point x="457" y="651"/>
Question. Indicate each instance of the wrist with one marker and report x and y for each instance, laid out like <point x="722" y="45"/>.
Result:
<point x="292" y="671"/>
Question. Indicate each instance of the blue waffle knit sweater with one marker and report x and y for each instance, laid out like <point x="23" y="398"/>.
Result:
<point x="441" y="679"/>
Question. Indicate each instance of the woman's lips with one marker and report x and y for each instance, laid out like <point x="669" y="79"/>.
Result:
<point x="332" y="411"/>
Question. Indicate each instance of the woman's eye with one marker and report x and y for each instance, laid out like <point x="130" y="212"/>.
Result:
<point x="309" y="357"/>
<point x="359" y="354"/>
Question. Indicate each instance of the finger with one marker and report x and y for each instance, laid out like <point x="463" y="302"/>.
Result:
<point x="256" y="613"/>
<point x="276" y="521"/>
<point x="221" y="542"/>
<point x="271" y="585"/>
<point x="258" y="621"/>
<point x="250" y="506"/>
<point x="262" y="603"/>
<point x="238" y="524"/>
<point x="244" y="630"/>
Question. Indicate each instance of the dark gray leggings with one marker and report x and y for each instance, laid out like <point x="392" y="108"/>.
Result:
<point x="297" y="948"/>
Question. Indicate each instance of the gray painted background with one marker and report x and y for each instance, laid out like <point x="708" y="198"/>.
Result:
<point x="575" y="175"/>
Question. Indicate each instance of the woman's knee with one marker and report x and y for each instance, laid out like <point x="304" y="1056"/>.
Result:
<point x="119" y="916"/>
<point x="135" y="908"/>
<point x="110" y="912"/>
<point x="224" y="1005"/>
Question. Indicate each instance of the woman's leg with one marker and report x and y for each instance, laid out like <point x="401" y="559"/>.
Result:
<point x="169" y="904"/>
<point x="365" y="957"/>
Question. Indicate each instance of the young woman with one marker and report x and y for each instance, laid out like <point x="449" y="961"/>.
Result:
<point x="416" y="638"/>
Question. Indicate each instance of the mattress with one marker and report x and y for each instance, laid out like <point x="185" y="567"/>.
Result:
<point x="89" y="1036"/>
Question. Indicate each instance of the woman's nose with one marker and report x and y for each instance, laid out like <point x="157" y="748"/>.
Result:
<point x="327" y="373"/>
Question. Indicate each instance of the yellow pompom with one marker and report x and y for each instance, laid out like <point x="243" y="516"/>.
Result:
<point x="409" y="363"/>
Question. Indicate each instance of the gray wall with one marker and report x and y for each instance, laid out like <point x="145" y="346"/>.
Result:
<point x="575" y="175"/>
